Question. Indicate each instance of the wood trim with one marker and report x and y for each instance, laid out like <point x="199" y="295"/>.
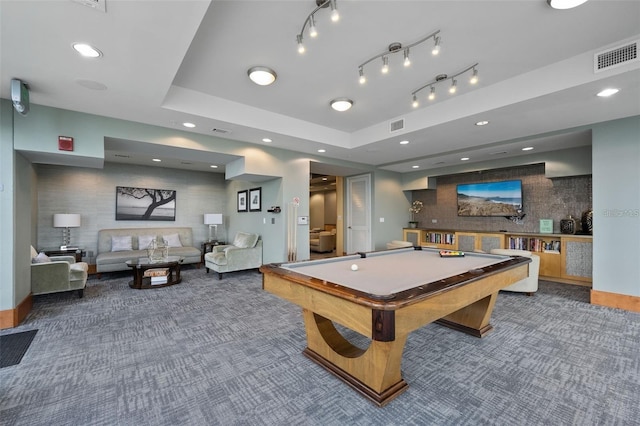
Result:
<point x="13" y="317"/>
<point x="615" y="300"/>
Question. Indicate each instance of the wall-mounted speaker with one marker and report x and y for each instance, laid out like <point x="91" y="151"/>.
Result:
<point x="20" y="96"/>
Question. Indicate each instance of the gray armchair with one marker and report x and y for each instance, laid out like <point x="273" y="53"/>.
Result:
<point x="245" y="252"/>
<point x="57" y="274"/>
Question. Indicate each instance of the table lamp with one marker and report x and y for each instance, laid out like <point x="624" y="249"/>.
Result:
<point x="213" y="220"/>
<point x="66" y="221"/>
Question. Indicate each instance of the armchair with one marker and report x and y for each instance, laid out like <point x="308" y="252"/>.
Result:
<point x="57" y="274"/>
<point x="245" y="252"/>
<point x="322" y="242"/>
<point x="527" y="285"/>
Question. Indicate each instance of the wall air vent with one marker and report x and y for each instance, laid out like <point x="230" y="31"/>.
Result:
<point x="94" y="4"/>
<point x="220" y="131"/>
<point x="394" y="126"/>
<point x="121" y="156"/>
<point x="615" y="57"/>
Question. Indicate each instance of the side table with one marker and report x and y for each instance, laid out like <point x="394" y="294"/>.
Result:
<point x="71" y="251"/>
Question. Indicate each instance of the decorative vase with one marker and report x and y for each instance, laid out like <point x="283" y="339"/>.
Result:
<point x="413" y="224"/>
<point x="587" y="221"/>
<point x="568" y="225"/>
<point x="158" y="251"/>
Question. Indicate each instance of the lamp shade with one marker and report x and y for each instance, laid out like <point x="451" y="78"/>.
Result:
<point x="213" y="219"/>
<point x="66" y="220"/>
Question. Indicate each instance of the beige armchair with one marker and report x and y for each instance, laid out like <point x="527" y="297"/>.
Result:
<point x="245" y="252"/>
<point x="56" y="274"/>
<point x="528" y="285"/>
<point x="322" y="242"/>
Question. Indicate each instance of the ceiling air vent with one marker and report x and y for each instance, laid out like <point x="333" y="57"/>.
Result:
<point x="394" y="126"/>
<point x="220" y="131"/>
<point x="617" y="56"/>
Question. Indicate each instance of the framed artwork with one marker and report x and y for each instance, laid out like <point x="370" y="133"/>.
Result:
<point x="242" y="201"/>
<point x="145" y="204"/>
<point x="255" y="200"/>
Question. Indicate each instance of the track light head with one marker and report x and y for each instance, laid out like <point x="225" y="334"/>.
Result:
<point x="474" y="77"/>
<point x="362" y="79"/>
<point x="335" y="16"/>
<point x="453" y="87"/>
<point x="432" y="93"/>
<point x="313" y="32"/>
<point x="385" y="64"/>
<point x="415" y="102"/>
<point x="407" y="61"/>
<point x="436" y="46"/>
<point x="301" y="48"/>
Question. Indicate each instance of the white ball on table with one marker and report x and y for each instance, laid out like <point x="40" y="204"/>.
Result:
<point x="354" y="267"/>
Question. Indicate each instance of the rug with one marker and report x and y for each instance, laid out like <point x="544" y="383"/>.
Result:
<point x="14" y="346"/>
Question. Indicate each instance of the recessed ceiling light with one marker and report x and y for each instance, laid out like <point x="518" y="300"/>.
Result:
<point x="341" y="104"/>
<point x="87" y="50"/>
<point x="415" y="167"/>
<point x="404" y="142"/>
<point x="267" y="140"/>
<point x="324" y="178"/>
<point x="482" y="123"/>
<point x="213" y="166"/>
<point x="262" y="76"/>
<point x="464" y="158"/>
<point x="607" y="92"/>
<point x="565" y="4"/>
<point x="189" y="125"/>
<point x="322" y="150"/>
<point x="528" y="148"/>
<point x="157" y="160"/>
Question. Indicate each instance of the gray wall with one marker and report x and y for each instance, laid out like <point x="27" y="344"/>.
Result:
<point x="616" y="207"/>
<point x="543" y="198"/>
<point x="92" y="193"/>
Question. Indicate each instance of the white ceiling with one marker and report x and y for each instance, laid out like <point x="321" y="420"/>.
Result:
<point x="166" y="62"/>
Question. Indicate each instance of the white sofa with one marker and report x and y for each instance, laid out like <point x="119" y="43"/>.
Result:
<point x="528" y="285"/>
<point x="112" y="255"/>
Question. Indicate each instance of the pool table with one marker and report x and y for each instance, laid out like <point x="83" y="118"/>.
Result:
<point x="392" y="293"/>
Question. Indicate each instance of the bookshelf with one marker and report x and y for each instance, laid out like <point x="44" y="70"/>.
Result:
<point x="563" y="258"/>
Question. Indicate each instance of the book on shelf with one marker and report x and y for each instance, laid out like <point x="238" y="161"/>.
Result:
<point x="156" y="272"/>
<point x="159" y="280"/>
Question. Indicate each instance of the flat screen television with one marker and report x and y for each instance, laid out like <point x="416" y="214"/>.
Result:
<point x="502" y="198"/>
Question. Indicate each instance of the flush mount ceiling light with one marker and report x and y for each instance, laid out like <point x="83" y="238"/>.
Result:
<point x="482" y="123"/>
<point x="607" y="92"/>
<point x="311" y="21"/>
<point x="86" y="50"/>
<point x="442" y="78"/>
<point x="565" y="4"/>
<point x="266" y="140"/>
<point x="262" y="76"/>
<point x="397" y="48"/>
<point x="404" y="142"/>
<point x="527" y="148"/>
<point x="189" y="125"/>
<point x="341" y="104"/>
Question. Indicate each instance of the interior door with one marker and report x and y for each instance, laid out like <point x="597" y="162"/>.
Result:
<point x="359" y="213"/>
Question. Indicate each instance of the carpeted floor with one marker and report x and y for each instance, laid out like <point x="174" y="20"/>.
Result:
<point x="209" y="352"/>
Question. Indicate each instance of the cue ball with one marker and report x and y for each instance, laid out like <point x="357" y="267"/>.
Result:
<point x="354" y="267"/>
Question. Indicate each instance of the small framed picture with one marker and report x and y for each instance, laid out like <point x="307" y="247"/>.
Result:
<point x="242" y="201"/>
<point x="255" y="200"/>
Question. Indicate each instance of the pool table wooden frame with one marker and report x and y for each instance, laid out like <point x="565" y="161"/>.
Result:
<point x="464" y="302"/>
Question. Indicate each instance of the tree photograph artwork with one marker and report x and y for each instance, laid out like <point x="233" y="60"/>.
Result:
<point x="145" y="204"/>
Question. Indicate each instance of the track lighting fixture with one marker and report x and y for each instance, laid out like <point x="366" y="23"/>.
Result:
<point x="396" y="48"/>
<point x="311" y="21"/>
<point x="444" y="77"/>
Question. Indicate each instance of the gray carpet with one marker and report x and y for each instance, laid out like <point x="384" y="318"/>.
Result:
<point x="209" y="352"/>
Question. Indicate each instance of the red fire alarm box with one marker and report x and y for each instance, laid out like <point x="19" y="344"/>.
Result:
<point x="65" y="143"/>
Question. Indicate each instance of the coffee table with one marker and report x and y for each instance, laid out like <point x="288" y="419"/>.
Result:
<point x="140" y="266"/>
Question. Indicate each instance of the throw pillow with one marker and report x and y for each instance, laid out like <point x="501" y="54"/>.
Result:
<point x="144" y="241"/>
<point x="41" y="258"/>
<point x="245" y="240"/>
<point x="173" y="240"/>
<point x="122" y="243"/>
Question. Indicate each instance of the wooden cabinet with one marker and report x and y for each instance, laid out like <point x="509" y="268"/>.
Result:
<point x="479" y="241"/>
<point x="563" y="258"/>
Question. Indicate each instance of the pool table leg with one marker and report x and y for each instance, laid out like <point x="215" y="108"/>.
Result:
<point x="472" y="319"/>
<point x="374" y="372"/>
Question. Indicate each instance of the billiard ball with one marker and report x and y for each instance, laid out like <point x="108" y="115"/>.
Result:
<point x="354" y="267"/>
